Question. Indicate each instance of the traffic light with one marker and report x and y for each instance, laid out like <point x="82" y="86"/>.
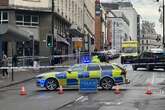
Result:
<point x="49" y="41"/>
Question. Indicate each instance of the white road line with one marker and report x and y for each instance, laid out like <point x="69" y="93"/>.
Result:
<point x="81" y="97"/>
<point x="153" y="78"/>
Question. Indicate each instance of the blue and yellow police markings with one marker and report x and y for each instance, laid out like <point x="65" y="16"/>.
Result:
<point x="117" y="76"/>
<point x="106" y="73"/>
<point x="62" y="79"/>
<point x="94" y="74"/>
<point x="72" y="78"/>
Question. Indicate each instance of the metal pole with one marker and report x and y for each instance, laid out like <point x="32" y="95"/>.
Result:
<point x="23" y="53"/>
<point x="52" y="25"/>
<point x="114" y="36"/>
<point x="12" y="71"/>
<point x="33" y="48"/>
<point x="163" y="27"/>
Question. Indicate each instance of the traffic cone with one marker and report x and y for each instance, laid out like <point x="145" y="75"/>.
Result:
<point x="117" y="89"/>
<point x="23" y="91"/>
<point x="61" y="91"/>
<point x="149" y="91"/>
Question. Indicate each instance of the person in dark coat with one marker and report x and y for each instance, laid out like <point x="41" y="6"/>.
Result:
<point x="4" y="64"/>
<point x="15" y="60"/>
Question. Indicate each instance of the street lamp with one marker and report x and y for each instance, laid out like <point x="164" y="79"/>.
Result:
<point x="115" y="24"/>
<point x="163" y="25"/>
<point x="52" y="26"/>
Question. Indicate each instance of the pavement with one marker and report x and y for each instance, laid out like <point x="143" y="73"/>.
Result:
<point x="20" y="76"/>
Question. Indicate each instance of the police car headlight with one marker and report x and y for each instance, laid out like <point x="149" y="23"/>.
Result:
<point x="39" y="77"/>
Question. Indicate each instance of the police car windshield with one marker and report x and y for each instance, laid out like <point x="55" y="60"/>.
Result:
<point x="77" y="68"/>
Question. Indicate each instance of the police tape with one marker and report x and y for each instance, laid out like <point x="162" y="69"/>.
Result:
<point x="33" y="67"/>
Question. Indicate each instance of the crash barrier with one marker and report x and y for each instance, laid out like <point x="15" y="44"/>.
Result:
<point x="88" y="86"/>
<point x="47" y="60"/>
<point x="31" y="67"/>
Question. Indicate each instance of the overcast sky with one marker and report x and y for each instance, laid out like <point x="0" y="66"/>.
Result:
<point x="148" y="9"/>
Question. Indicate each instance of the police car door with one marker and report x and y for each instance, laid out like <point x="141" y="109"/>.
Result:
<point x="94" y="71"/>
<point x="72" y="77"/>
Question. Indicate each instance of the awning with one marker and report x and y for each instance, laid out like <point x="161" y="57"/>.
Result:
<point x="60" y="39"/>
<point x="12" y="33"/>
<point x="75" y="31"/>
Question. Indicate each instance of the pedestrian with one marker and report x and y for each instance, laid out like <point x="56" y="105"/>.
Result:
<point x="4" y="64"/>
<point x="14" y="60"/>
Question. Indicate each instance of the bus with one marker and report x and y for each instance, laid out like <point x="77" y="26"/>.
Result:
<point x="129" y="51"/>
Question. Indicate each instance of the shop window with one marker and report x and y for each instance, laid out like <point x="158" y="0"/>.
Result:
<point x="27" y="20"/>
<point x="4" y="17"/>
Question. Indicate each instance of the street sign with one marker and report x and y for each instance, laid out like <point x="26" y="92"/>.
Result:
<point x="77" y="42"/>
<point x="88" y="85"/>
<point x="77" y="39"/>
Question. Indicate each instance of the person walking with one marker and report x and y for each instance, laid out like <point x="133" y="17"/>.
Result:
<point x="4" y="64"/>
<point x="15" y="60"/>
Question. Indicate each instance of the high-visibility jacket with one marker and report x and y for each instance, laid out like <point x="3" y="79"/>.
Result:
<point x="95" y="59"/>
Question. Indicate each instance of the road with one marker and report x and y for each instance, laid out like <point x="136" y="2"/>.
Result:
<point x="132" y="96"/>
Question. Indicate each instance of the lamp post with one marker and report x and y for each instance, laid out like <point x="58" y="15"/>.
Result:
<point x="52" y="26"/>
<point x="163" y="25"/>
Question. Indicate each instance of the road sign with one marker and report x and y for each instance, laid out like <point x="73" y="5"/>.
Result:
<point x="77" y="39"/>
<point x="78" y="44"/>
<point x="88" y="85"/>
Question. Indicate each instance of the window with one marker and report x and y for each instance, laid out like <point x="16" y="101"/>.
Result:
<point x="93" y="68"/>
<point x="19" y="19"/>
<point x="27" y="20"/>
<point x="107" y="67"/>
<point x="147" y="42"/>
<point x="77" y="68"/>
<point x="147" y="55"/>
<point x="35" y="20"/>
<point x="142" y="41"/>
<point x="4" y="17"/>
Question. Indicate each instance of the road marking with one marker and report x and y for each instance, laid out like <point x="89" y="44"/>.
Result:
<point x="81" y="97"/>
<point x="153" y="78"/>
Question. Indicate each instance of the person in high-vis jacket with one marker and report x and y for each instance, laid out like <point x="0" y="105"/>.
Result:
<point x="95" y="59"/>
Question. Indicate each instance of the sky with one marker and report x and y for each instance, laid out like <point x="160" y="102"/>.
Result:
<point x="148" y="9"/>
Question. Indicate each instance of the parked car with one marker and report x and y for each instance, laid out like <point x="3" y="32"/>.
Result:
<point x="150" y="60"/>
<point x="114" y="53"/>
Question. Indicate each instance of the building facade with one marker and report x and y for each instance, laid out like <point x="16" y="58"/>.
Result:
<point x="100" y="27"/>
<point x="150" y="39"/>
<point x="130" y="13"/>
<point x="36" y="18"/>
<point x="118" y="30"/>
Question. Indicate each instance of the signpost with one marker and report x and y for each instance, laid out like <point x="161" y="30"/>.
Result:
<point x="88" y="85"/>
<point x="77" y="44"/>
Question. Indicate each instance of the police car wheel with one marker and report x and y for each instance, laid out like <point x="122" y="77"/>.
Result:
<point x="51" y="84"/>
<point x="107" y="83"/>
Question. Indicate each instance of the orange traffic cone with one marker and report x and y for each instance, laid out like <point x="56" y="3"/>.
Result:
<point x="23" y="91"/>
<point x="61" y="91"/>
<point x="117" y="89"/>
<point x="149" y="91"/>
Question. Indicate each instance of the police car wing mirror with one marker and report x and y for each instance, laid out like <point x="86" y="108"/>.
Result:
<point x="69" y="70"/>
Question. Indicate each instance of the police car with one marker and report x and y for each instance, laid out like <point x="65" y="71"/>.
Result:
<point x="107" y="75"/>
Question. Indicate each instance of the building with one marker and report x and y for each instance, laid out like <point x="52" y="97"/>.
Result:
<point x="161" y="21"/>
<point x="117" y="27"/>
<point x="89" y="25"/>
<point x="70" y="18"/>
<point x="130" y="13"/>
<point x="150" y="39"/>
<point x="100" y="27"/>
